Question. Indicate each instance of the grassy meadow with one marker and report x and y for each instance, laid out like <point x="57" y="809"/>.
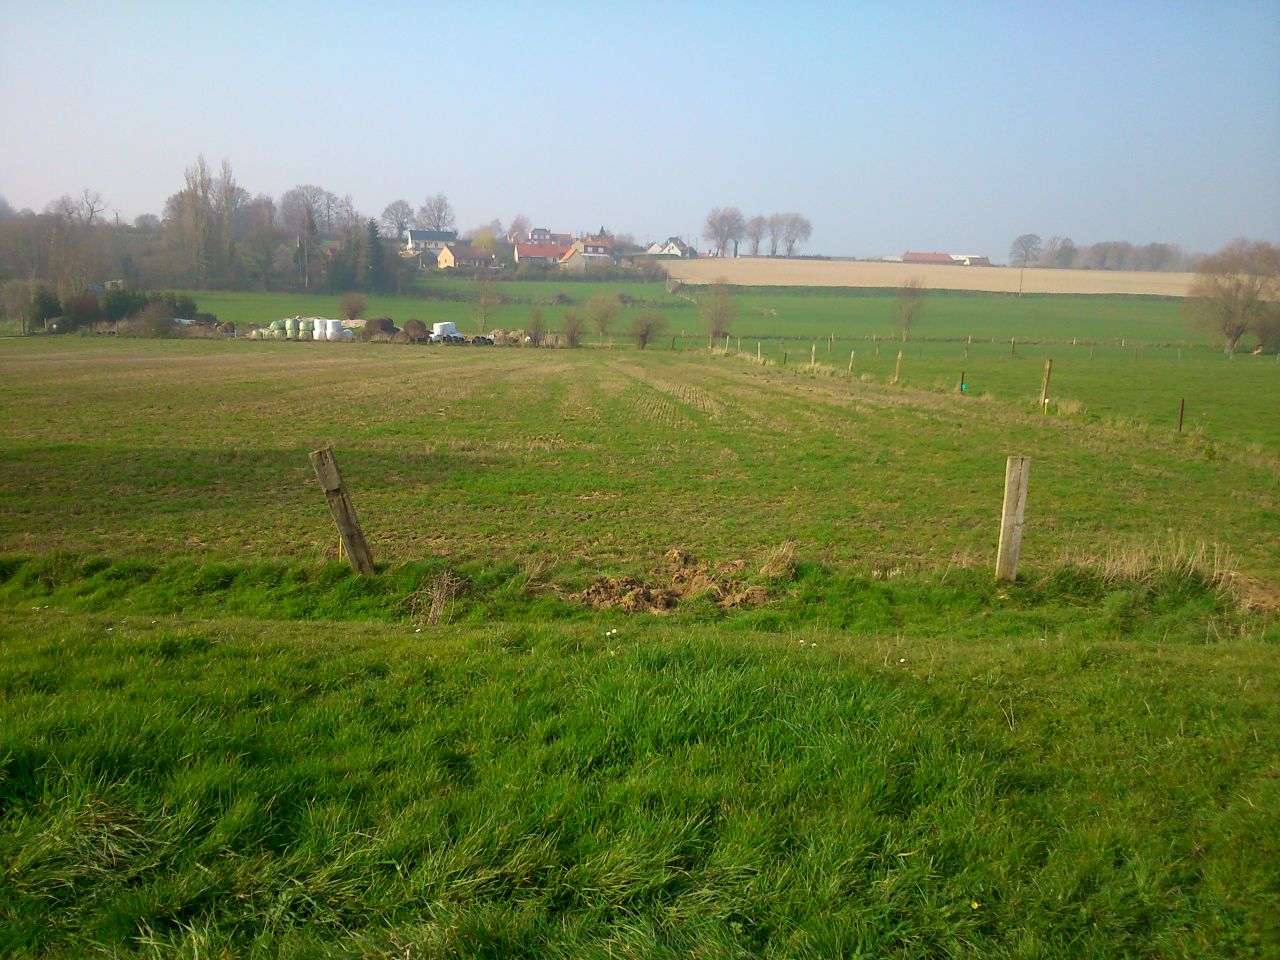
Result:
<point x="766" y="312"/>
<point x="668" y="653"/>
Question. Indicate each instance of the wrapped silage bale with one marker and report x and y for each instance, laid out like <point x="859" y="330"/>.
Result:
<point x="334" y="329"/>
<point x="304" y="333"/>
<point x="319" y="330"/>
<point x="291" y="328"/>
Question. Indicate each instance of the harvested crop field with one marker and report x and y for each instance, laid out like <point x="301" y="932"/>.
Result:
<point x="763" y="272"/>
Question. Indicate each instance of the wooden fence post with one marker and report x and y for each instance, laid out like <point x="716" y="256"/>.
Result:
<point x="344" y="513"/>
<point x="813" y="354"/>
<point x="897" y="369"/>
<point x="1044" y="385"/>
<point x="852" y="354"/>
<point x="1011" y="516"/>
<point x="1182" y="408"/>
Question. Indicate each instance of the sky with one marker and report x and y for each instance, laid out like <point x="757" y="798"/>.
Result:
<point x="906" y="126"/>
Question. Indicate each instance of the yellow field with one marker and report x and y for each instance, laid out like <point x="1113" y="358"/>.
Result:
<point x="831" y="273"/>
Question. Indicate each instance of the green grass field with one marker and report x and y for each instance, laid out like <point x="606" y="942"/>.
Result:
<point x="841" y="739"/>
<point x="770" y="313"/>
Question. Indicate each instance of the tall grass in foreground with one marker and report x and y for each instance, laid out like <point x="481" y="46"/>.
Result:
<point x="1093" y="774"/>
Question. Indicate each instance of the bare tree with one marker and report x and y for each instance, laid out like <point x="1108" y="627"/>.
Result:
<point x="796" y="230"/>
<point x="646" y="327"/>
<point x="1057" y="252"/>
<point x="777" y="227"/>
<point x="436" y="213"/>
<point x="485" y="298"/>
<point x="15" y="302"/>
<point x="88" y="205"/>
<point x="911" y="298"/>
<point x="64" y="208"/>
<point x="308" y="204"/>
<point x="601" y="311"/>
<point x="226" y="200"/>
<point x="723" y="226"/>
<point x="536" y="328"/>
<point x="1237" y="291"/>
<point x="261" y="240"/>
<point x="398" y="217"/>
<point x="518" y="231"/>
<point x="189" y="224"/>
<point x="1027" y="247"/>
<point x="348" y="221"/>
<point x="755" y="231"/>
<point x="718" y="309"/>
<point x="572" y="327"/>
<point x="1024" y="248"/>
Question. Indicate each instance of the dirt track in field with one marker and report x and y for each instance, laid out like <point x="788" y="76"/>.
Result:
<point x="837" y="273"/>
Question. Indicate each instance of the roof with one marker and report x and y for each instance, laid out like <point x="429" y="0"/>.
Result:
<point x="541" y="250"/>
<point x="464" y="251"/>
<point x="424" y="236"/>
<point x="911" y="257"/>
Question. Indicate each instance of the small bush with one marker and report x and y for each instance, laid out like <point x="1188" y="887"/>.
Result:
<point x="352" y="305"/>
<point x="572" y="328"/>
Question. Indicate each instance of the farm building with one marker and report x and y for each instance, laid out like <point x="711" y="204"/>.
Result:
<point x="543" y="235"/>
<point x="672" y="247"/>
<point x="463" y="255"/>
<point x="433" y="240"/>
<point x="947" y="259"/>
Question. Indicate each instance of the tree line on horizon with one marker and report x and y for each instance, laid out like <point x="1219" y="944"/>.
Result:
<point x="214" y="234"/>
<point x="1061" y="253"/>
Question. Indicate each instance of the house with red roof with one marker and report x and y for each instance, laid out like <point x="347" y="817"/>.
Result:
<point x="540" y="254"/>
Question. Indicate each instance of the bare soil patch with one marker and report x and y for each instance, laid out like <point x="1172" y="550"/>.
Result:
<point x="684" y="578"/>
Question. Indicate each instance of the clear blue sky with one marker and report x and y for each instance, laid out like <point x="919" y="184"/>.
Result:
<point x="936" y="126"/>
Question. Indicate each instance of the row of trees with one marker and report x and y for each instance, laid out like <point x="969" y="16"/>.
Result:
<point x="1061" y="253"/>
<point x="213" y="234"/>
<point x="782" y="231"/>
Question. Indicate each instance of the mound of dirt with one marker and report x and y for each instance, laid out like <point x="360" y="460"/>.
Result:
<point x="626" y="594"/>
<point x="684" y="578"/>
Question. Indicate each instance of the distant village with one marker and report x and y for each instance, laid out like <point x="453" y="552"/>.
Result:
<point x="539" y="247"/>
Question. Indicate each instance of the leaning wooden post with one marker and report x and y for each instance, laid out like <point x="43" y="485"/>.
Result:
<point x="1044" y="385"/>
<point x="1015" y="505"/>
<point x="813" y="354"/>
<point x="852" y="354"/>
<point x="897" y="368"/>
<point x="1182" y="408"/>
<point x="344" y="513"/>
